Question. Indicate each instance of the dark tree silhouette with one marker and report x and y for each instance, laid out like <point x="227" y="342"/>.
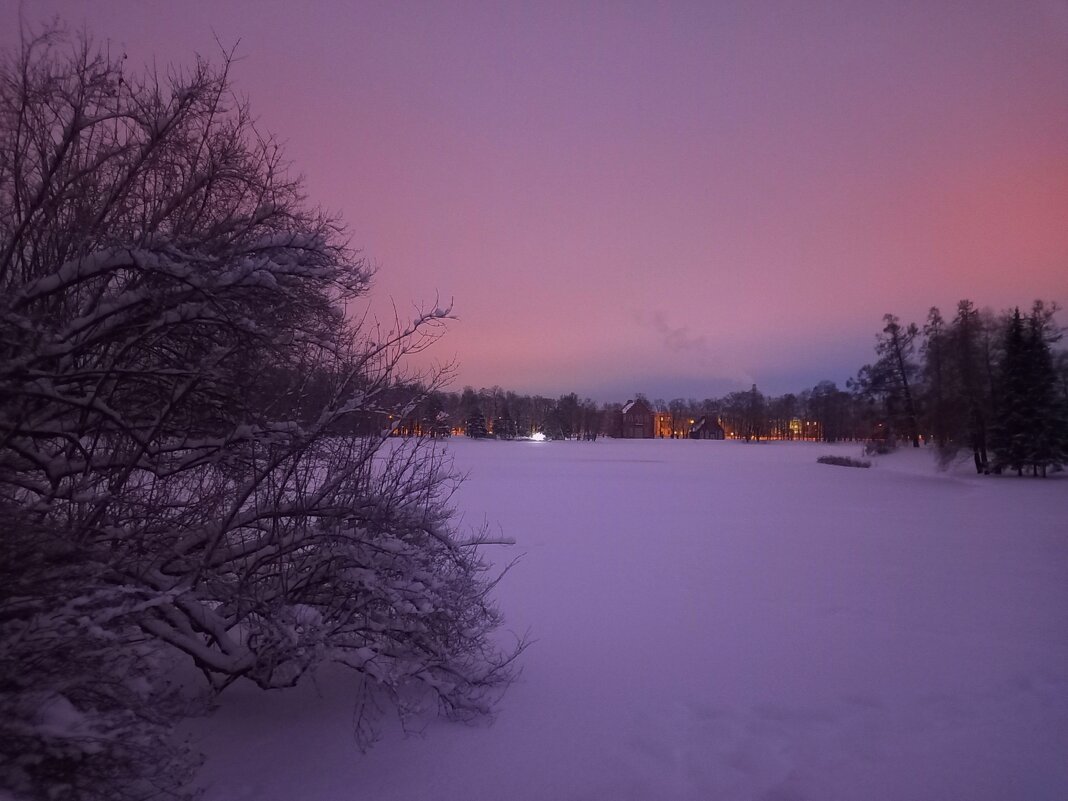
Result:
<point x="889" y="382"/>
<point x="1011" y="434"/>
<point x="935" y="369"/>
<point x="172" y="480"/>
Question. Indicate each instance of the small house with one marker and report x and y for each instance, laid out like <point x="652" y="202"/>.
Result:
<point x="707" y="427"/>
<point x="638" y="420"/>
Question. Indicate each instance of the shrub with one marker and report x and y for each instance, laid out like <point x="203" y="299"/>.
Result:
<point x="843" y="461"/>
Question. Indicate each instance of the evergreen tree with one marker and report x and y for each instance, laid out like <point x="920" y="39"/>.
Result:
<point x="1044" y="438"/>
<point x="476" y="425"/>
<point x="1029" y="427"/>
<point x="1011" y="436"/>
<point x="1060" y="368"/>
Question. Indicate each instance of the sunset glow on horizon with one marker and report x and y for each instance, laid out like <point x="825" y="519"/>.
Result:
<point x="675" y="199"/>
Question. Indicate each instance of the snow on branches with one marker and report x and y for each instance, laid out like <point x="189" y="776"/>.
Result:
<point x="194" y="449"/>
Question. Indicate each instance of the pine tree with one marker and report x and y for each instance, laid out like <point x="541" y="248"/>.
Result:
<point x="476" y="425"/>
<point x="1029" y="429"/>
<point x="1012" y="431"/>
<point x="1044" y="438"/>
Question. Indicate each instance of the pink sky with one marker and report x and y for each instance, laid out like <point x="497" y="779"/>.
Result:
<point x="678" y="199"/>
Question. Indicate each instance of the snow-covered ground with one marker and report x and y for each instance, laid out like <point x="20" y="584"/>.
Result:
<point x="715" y="620"/>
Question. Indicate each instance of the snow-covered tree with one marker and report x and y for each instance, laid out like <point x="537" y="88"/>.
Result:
<point x="194" y="452"/>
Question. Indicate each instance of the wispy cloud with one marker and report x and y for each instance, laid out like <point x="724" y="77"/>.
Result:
<point x="678" y="339"/>
<point x="695" y="353"/>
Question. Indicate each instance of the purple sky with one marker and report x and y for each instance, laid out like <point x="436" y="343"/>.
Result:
<point x="678" y="199"/>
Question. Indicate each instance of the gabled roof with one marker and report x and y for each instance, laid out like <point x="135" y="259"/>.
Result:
<point x="629" y="406"/>
<point x="711" y="422"/>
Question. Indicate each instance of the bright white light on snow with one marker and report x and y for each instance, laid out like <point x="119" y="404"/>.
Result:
<point x="537" y="436"/>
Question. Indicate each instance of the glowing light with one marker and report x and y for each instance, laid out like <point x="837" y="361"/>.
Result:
<point x="537" y="436"/>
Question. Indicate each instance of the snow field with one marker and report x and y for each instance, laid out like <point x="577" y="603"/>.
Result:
<point x="716" y="620"/>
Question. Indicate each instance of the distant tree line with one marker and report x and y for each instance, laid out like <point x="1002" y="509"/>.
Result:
<point x="991" y="384"/>
<point x="824" y="412"/>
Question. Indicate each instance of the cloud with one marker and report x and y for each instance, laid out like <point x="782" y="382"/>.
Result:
<point x="694" y="354"/>
<point x="676" y="339"/>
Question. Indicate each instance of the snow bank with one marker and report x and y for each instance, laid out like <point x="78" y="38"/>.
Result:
<point x="716" y="620"/>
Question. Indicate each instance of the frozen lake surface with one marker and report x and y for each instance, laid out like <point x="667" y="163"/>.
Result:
<point x="716" y="620"/>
